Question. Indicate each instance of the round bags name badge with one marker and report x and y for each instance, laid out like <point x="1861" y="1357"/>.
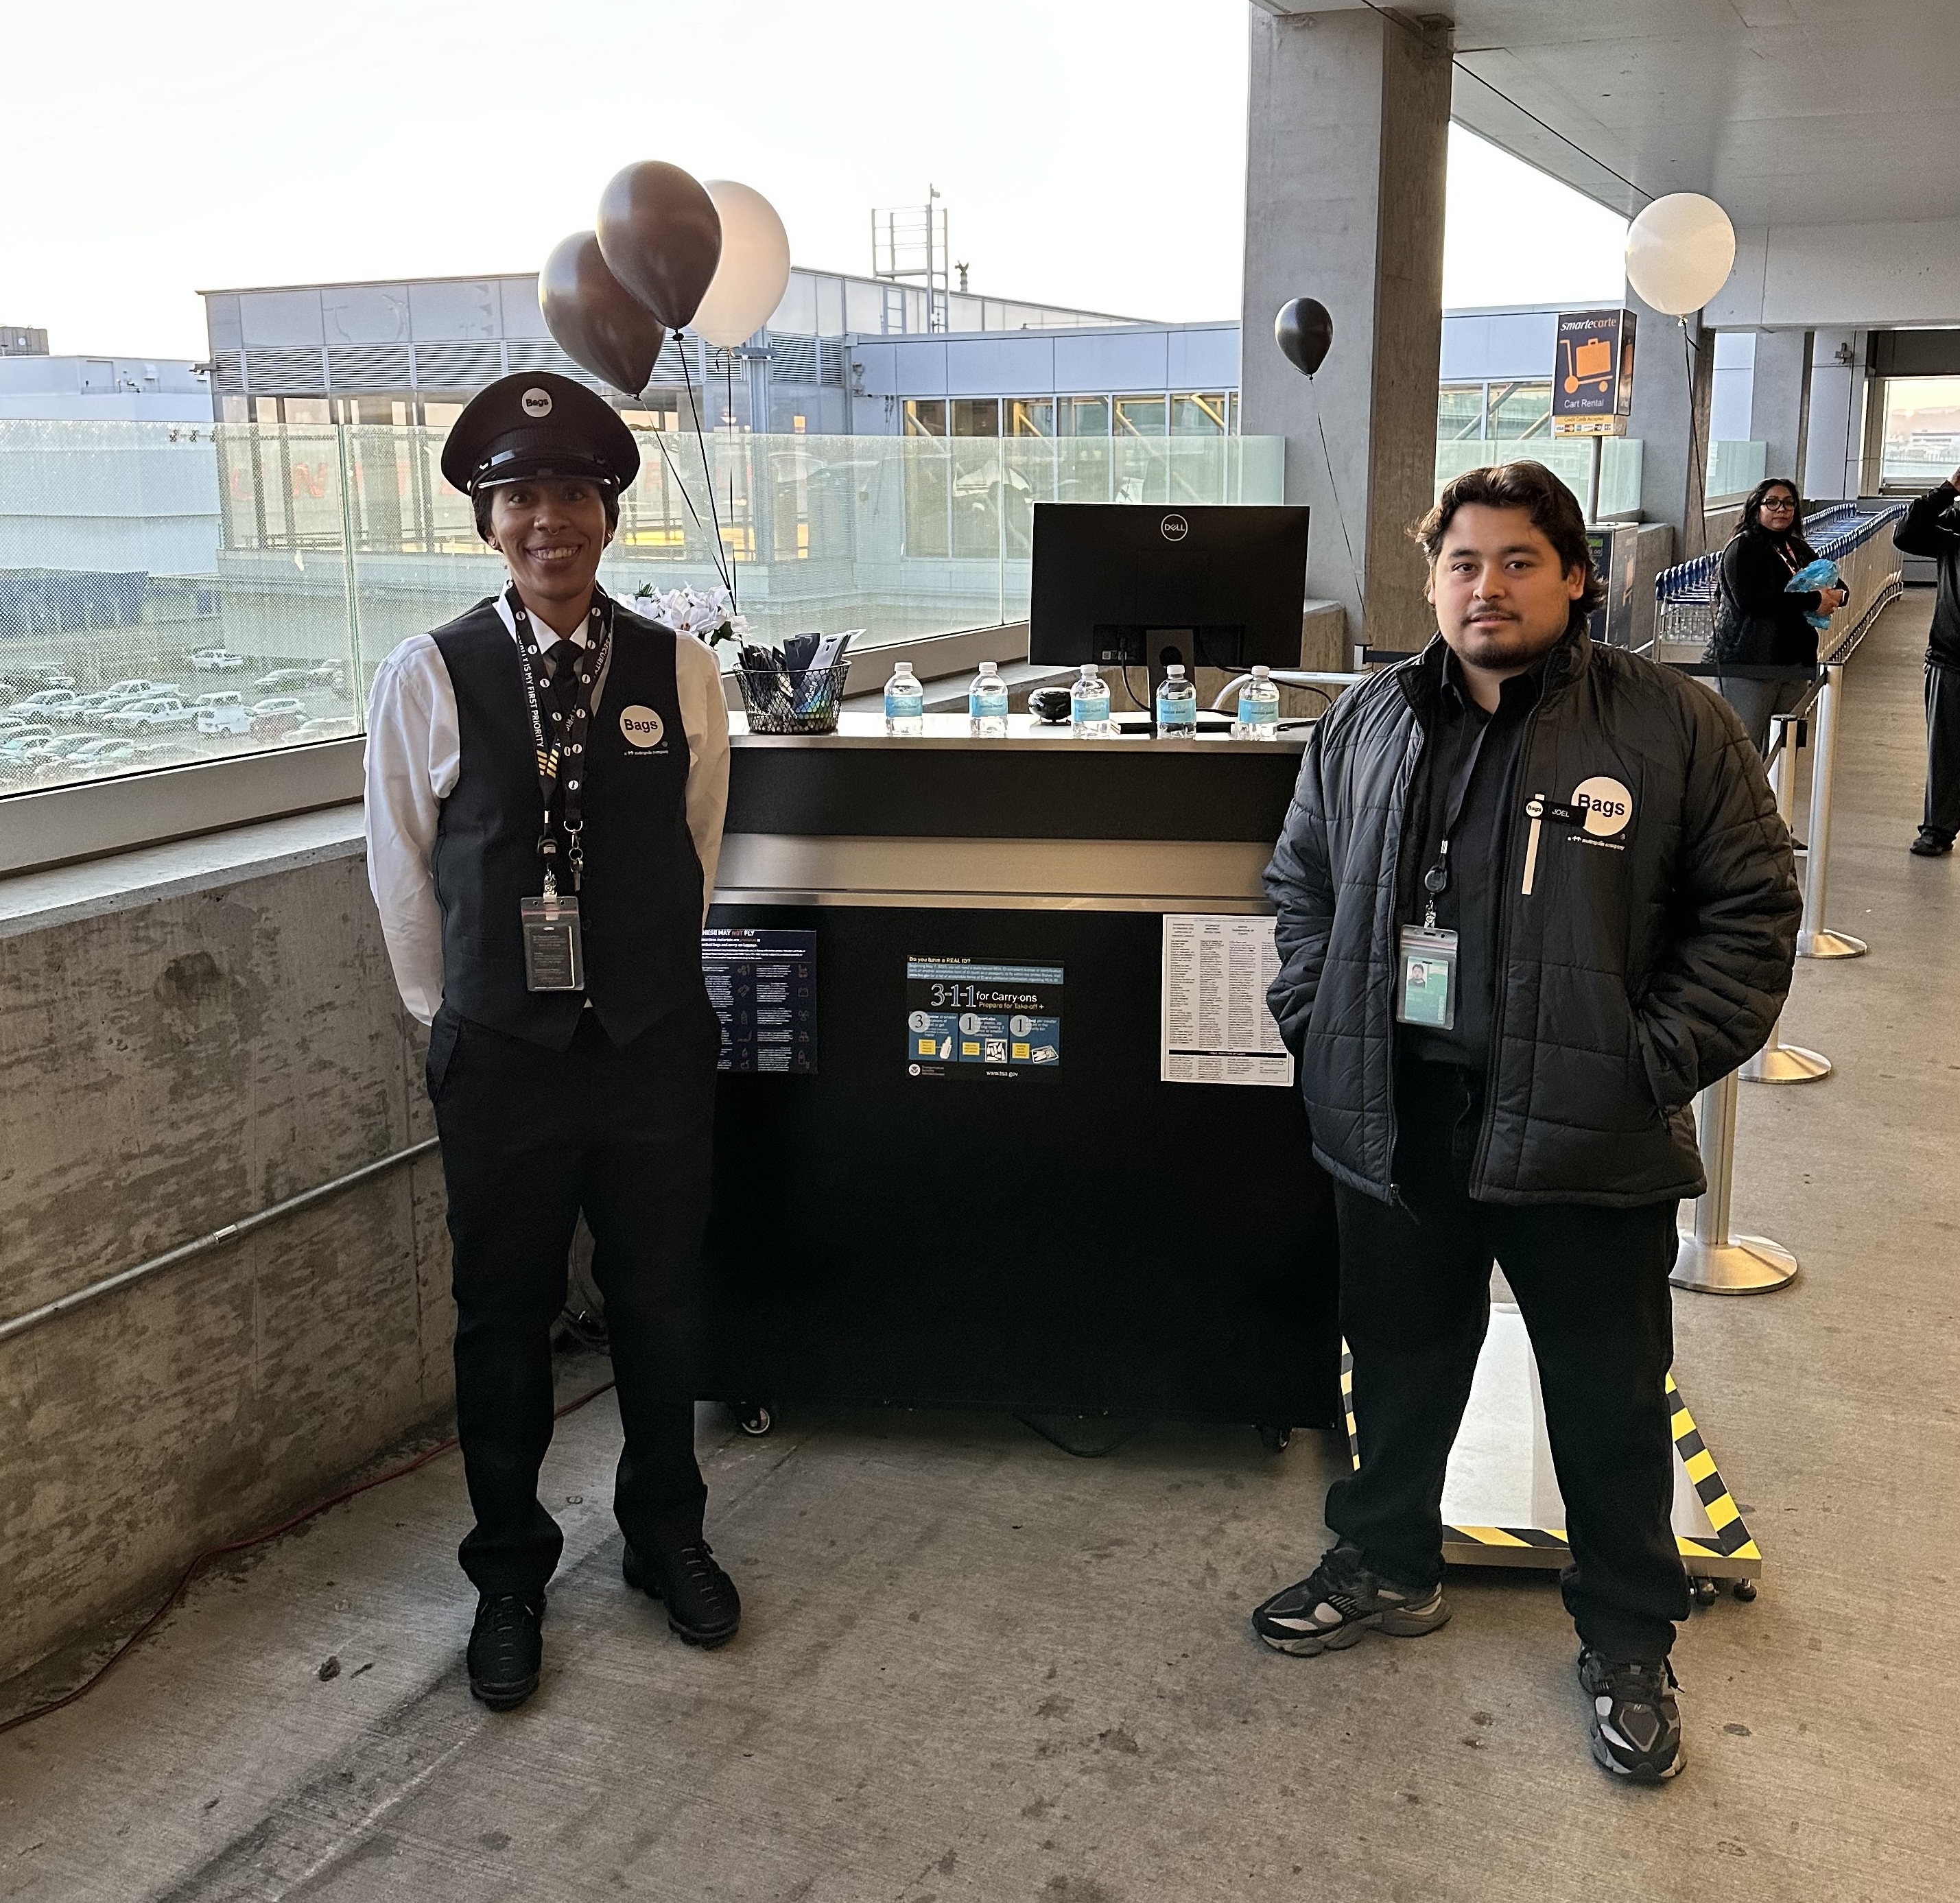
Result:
<point x="643" y="727"/>
<point x="1608" y="806"/>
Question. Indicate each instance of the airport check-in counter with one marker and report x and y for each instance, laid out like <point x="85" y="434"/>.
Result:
<point x="1008" y="1125"/>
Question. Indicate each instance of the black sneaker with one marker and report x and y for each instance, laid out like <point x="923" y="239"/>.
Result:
<point x="1635" y="1717"/>
<point x="1338" y="1601"/>
<point x="1930" y="844"/>
<point x="506" y="1648"/>
<point x="703" y="1607"/>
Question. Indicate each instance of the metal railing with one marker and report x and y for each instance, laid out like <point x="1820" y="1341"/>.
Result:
<point x="1712" y="1260"/>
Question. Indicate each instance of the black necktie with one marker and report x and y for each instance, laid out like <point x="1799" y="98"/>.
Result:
<point x="563" y="656"/>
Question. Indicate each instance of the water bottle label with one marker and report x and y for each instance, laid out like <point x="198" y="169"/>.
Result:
<point x="1091" y="707"/>
<point x="904" y="707"/>
<point x="1258" y="713"/>
<point x="987" y="707"/>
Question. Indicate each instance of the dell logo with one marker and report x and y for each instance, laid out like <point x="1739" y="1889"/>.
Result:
<point x="1175" y="528"/>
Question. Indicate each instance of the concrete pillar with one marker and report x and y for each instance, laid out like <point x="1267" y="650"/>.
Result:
<point x="1780" y="400"/>
<point x="1833" y="458"/>
<point x="1347" y="158"/>
<point x="1672" y="385"/>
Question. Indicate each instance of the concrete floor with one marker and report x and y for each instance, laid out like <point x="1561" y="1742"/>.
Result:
<point x="973" y="1668"/>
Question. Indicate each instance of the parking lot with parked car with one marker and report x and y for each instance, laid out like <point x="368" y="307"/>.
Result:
<point x="62" y="723"/>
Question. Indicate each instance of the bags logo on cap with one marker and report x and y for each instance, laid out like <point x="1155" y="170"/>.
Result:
<point x="536" y="403"/>
<point x="643" y="727"/>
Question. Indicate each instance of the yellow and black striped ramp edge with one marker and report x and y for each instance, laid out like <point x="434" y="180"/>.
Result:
<point x="1731" y="1553"/>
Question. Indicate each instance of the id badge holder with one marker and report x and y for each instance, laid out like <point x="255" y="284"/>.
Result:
<point x="1426" y="978"/>
<point x="554" y="953"/>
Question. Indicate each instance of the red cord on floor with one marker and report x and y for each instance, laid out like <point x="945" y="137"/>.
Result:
<point x="211" y="1553"/>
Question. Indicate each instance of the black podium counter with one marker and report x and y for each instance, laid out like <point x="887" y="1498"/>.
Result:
<point x="956" y="976"/>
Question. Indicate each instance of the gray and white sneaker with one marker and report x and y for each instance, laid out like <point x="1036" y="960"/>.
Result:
<point x="1635" y="1717"/>
<point x="1338" y="1602"/>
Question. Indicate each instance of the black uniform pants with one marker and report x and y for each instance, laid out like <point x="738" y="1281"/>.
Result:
<point x="1591" y="1285"/>
<point x="530" y="1136"/>
<point x="1942" y="750"/>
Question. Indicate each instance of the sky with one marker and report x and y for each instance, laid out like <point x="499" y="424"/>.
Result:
<point x="1087" y="155"/>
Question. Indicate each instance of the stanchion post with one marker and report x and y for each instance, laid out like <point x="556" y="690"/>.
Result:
<point x="1712" y="1262"/>
<point x="1815" y="939"/>
<point x="1777" y="1062"/>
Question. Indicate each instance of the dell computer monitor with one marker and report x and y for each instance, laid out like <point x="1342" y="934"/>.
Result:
<point x="1138" y="585"/>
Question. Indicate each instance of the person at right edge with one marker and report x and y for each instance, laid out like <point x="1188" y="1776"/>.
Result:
<point x="1932" y="528"/>
<point x="1533" y="895"/>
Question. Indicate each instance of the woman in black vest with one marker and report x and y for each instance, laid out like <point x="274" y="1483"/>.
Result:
<point x="1758" y="623"/>
<point x="546" y="778"/>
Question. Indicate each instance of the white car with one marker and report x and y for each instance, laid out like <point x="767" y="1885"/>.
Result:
<point x="332" y="727"/>
<point x="285" y="679"/>
<point x="124" y="693"/>
<point x="83" y="707"/>
<point x="231" y="719"/>
<point x="42" y="706"/>
<point x="103" y="752"/>
<point x="217" y="661"/>
<point x="150" y="716"/>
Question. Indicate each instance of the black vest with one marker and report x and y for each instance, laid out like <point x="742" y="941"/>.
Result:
<point x="641" y="905"/>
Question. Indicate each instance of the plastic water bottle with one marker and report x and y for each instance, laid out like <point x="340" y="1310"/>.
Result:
<point x="987" y="703"/>
<point x="1177" y="706"/>
<point x="905" y="702"/>
<point x="1258" y="708"/>
<point x="1088" y="705"/>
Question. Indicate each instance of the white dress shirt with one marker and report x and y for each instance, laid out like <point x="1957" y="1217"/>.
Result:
<point x="413" y="758"/>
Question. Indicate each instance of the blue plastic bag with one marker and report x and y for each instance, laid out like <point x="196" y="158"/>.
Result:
<point x="1812" y="577"/>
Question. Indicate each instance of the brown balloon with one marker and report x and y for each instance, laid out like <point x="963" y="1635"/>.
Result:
<point x="660" y="236"/>
<point x="598" y="322"/>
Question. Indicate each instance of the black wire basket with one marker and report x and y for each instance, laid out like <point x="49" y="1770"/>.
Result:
<point x="790" y="703"/>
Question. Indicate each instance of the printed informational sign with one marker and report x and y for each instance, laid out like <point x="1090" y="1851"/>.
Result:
<point x="1216" y="1028"/>
<point x="967" y="1019"/>
<point x="763" y="987"/>
<point x="1592" y="378"/>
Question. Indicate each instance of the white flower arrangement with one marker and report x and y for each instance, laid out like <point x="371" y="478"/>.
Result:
<point x="707" y="614"/>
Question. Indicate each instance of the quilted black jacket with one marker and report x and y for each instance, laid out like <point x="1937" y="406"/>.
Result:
<point x="1648" y="925"/>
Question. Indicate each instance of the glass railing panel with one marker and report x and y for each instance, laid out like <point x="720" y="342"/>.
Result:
<point x="1621" y="458"/>
<point x="164" y="601"/>
<point x="1735" y="468"/>
<point x="1569" y="458"/>
<point x="232" y="588"/>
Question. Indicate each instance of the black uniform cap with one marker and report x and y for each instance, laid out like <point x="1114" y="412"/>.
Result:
<point x="537" y="424"/>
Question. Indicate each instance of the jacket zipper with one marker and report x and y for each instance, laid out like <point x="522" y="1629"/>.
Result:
<point x="1500" y="990"/>
<point x="1395" y="1201"/>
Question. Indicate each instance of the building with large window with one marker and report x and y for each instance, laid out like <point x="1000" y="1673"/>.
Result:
<point x="414" y="350"/>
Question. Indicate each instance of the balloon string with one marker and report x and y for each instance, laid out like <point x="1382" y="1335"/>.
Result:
<point x="1340" y="513"/>
<point x="725" y="567"/>
<point x="673" y="469"/>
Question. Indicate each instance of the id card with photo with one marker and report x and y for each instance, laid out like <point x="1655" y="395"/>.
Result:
<point x="1426" y="978"/>
<point x="554" y="953"/>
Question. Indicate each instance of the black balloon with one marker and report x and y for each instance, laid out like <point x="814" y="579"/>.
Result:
<point x="1304" y="333"/>
<point x="597" y="321"/>
<point x="660" y="236"/>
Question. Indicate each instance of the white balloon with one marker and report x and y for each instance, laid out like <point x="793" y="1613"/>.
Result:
<point x="754" y="271"/>
<point x="1680" y="251"/>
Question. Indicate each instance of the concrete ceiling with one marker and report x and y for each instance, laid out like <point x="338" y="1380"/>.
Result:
<point x="1808" y="112"/>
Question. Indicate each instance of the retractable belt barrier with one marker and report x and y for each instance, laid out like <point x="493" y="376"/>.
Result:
<point x="1712" y="1261"/>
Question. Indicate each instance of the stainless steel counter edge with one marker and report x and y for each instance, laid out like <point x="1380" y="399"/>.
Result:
<point x="762" y="868"/>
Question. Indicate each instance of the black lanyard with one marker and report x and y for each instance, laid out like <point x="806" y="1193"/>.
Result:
<point x="1435" y="880"/>
<point x="560" y="755"/>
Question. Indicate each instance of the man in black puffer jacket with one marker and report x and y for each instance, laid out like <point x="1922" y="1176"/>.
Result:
<point x="1533" y="895"/>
